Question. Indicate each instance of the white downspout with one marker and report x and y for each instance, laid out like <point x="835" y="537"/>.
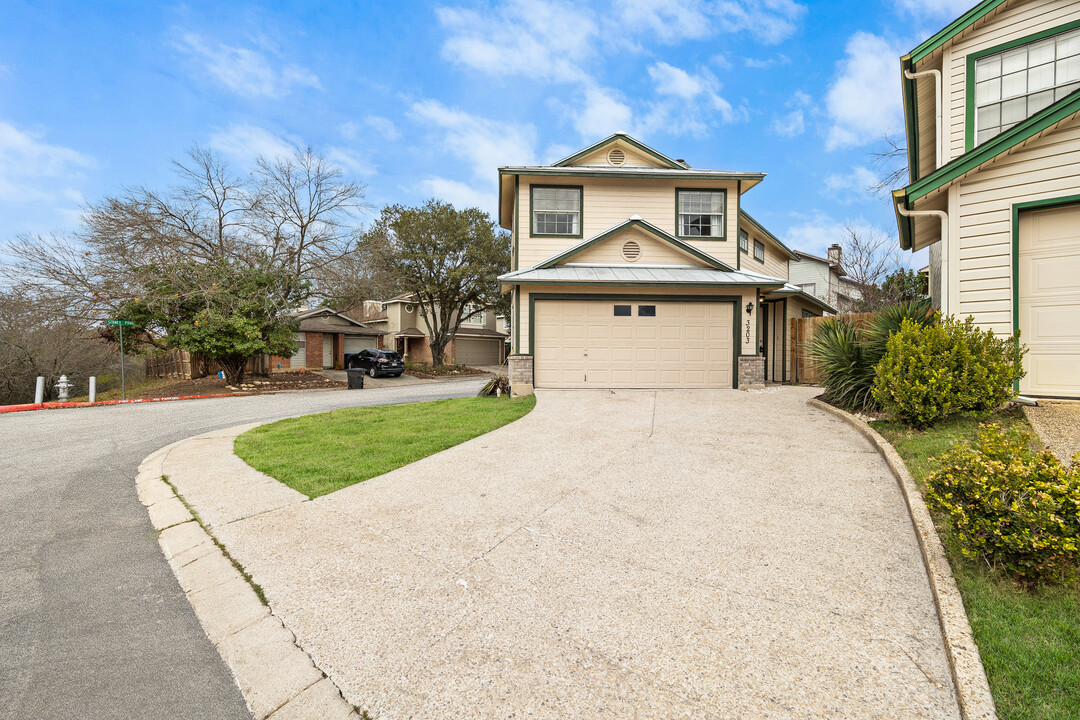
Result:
<point x="939" y="145"/>
<point x="944" y="217"/>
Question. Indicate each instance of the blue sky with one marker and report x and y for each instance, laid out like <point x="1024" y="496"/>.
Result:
<point x="421" y="99"/>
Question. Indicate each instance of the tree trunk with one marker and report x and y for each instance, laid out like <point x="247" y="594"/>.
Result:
<point x="438" y="349"/>
<point x="233" y="367"/>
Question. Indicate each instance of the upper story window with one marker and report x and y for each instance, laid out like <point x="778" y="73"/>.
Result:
<point x="556" y="210"/>
<point x="744" y="241"/>
<point x="477" y="319"/>
<point x="1013" y="85"/>
<point x="701" y="213"/>
<point x="759" y="251"/>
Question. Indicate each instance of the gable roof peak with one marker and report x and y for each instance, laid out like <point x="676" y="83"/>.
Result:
<point x="628" y="140"/>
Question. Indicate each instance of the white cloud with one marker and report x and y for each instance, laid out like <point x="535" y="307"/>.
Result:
<point x="350" y="161"/>
<point x="936" y="8"/>
<point x="248" y="142"/>
<point x="33" y="170"/>
<point x="601" y="112"/>
<point x="384" y="126"/>
<point x="792" y="124"/>
<point x="864" y="102"/>
<point x="460" y="195"/>
<point x="244" y="71"/>
<point x="675" y="20"/>
<point x="671" y="80"/>
<point x="851" y="187"/>
<point x="484" y="144"/>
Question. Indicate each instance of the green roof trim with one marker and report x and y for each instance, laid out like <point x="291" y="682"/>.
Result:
<point x="1046" y="118"/>
<point x="954" y="28"/>
<point x="743" y="215"/>
<point x="636" y="144"/>
<point x="904" y="225"/>
<point x="646" y="173"/>
<point x="803" y="295"/>
<point x="647" y="227"/>
<point x="911" y="117"/>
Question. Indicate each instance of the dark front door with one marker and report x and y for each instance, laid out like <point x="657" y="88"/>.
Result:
<point x="764" y="349"/>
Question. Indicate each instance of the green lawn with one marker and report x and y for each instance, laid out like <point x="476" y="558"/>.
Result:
<point x="318" y="454"/>
<point x="1030" y="641"/>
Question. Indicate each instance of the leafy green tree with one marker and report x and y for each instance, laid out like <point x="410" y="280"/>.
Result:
<point x="224" y="310"/>
<point x="903" y="286"/>
<point x="448" y="258"/>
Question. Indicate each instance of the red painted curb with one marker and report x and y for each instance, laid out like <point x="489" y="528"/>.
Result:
<point x="61" y="406"/>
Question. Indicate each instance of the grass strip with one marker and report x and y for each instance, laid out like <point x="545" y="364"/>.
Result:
<point x="318" y="454"/>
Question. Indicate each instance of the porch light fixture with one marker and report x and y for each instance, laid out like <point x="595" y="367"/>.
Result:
<point x="750" y="307"/>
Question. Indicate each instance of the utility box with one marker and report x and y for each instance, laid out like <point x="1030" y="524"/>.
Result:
<point x="356" y="378"/>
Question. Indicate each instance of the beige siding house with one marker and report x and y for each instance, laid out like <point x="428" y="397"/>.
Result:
<point x="993" y="126"/>
<point x="400" y="320"/>
<point x="824" y="278"/>
<point x="631" y="269"/>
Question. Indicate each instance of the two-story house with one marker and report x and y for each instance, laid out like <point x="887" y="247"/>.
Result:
<point x="477" y="342"/>
<point x="825" y="278"/>
<point x="631" y="269"/>
<point x="993" y="137"/>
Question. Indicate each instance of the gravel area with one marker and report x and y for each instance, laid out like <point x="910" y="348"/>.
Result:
<point x="620" y="555"/>
<point x="1057" y="423"/>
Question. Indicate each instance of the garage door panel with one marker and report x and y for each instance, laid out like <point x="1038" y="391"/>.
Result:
<point x="683" y="345"/>
<point x="1049" y="300"/>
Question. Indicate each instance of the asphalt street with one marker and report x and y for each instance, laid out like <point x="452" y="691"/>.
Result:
<point x="92" y="621"/>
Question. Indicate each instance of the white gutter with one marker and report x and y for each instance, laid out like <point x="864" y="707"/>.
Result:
<point x="938" y="140"/>
<point x="944" y="217"/>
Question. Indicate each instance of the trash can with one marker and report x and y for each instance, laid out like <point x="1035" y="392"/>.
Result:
<point x="356" y="378"/>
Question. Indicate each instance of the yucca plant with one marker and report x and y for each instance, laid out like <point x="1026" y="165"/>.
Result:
<point x="885" y="322"/>
<point x="840" y="356"/>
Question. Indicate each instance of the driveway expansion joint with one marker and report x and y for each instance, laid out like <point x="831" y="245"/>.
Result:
<point x="965" y="663"/>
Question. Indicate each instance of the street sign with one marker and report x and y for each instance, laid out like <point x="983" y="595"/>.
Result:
<point x="123" y="380"/>
<point x="126" y="323"/>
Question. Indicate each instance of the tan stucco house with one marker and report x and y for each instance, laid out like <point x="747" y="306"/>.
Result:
<point x="399" y="319"/>
<point x="631" y="269"/>
<point x="993" y="137"/>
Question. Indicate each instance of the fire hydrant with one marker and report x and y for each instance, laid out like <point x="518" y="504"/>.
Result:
<point x="62" y="389"/>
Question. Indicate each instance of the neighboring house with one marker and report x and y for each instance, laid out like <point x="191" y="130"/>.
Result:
<point x="993" y="137"/>
<point x="323" y="338"/>
<point x="631" y="269"/>
<point x="824" y="278"/>
<point x="477" y="342"/>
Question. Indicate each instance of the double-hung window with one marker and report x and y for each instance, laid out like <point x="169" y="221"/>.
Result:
<point x="701" y="213"/>
<point x="744" y="241"/>
<point x="468" y="310"/>
<point x="759" y="251"/>
<point x="556" y="210"/>
<point x="1013" y="85"/>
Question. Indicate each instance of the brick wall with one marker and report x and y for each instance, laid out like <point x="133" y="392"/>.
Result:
<point x="751" y="371"/>
<point x="339" y="350"/>
<point x="275" y="360"/>
<point x="313" y="350"/>
<point x="520" y="368"/>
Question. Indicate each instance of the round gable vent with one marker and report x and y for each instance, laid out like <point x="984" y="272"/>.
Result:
<point x="616" y="157"/>
<point x="631" y="251"/>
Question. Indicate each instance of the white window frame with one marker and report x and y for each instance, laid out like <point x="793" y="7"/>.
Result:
<point x="557" y="205"/>
<point x="477" y="319"/>
<point x="1003" y="93"/>
<point x="744" y="241"/>
<point x="687" y="210"/>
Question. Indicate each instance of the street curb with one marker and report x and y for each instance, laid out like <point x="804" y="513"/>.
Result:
<point x="969" y="677"/>
<point x="66" y="405"/>
<point x="279" y="681"/>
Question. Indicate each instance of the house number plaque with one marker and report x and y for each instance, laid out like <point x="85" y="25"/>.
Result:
<point x="748" y="330"/>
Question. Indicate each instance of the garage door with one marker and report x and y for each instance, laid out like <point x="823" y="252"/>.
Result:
<point x="356" y="343"/>
<point x="472" y="351"/>
<point x="632" y="344"/>
<point x="1050" y="300"/>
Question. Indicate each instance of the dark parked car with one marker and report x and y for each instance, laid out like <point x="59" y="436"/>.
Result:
<point x="376" y="362"/>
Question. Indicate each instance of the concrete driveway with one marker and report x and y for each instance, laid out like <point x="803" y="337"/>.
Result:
<point x="683" y="554"/>
<point x="92" y="621"/>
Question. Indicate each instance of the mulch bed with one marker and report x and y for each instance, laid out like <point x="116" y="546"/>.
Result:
<point x="428" y="372"/>
<point x="253" y="384"/>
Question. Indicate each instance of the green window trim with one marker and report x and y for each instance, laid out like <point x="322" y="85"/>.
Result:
<point x="744" y="241"/>
<point x="758" y="244"/>
<point x="581" y="212"/>
<point x="735" y="300"/>
<point x="723" y="222"/>
<point x="969" y="80"/>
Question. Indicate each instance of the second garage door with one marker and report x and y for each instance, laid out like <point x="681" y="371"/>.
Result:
<point x="633" y="344"/>
<point x="475" y="351"/>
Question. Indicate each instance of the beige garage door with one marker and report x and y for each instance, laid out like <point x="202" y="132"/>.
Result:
<point x="472" y="351"/>
<point x="356" y="343"/>
<point x="1050" y="300"/>
<point x="632" y="344"/>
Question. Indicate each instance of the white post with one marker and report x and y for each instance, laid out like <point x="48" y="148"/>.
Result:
<point x="93" y="388"/>
<point x="39" y="391"/>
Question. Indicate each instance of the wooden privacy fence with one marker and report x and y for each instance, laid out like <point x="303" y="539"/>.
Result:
<point x="185" y="365"/>
<point x="801" y="333"/>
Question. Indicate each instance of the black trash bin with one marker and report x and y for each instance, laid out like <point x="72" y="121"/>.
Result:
<point x="356" y="378"/>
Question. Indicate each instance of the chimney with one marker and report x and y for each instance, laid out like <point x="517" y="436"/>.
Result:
<point x="834" y="254"/>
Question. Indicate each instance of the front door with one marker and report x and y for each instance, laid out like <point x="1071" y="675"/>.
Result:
<point x="763" y="308"/>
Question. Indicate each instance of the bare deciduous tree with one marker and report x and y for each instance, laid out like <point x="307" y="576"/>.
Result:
<point x="869" y="257"/>
<point x="892" y="162"/>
